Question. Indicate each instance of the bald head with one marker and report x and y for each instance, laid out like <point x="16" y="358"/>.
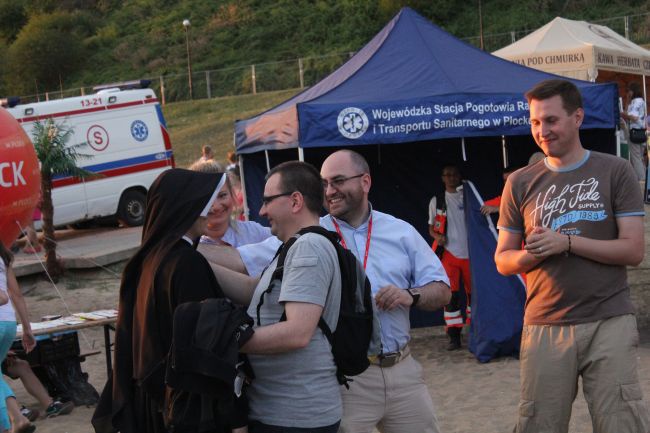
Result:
<point x="348" y="158"/>
<point x="347" y="176"/>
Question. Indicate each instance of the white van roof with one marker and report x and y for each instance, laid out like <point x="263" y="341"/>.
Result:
<point x="102" y="100"/>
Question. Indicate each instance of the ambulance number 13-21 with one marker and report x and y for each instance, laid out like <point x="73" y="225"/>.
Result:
<point x="91" y="102"/>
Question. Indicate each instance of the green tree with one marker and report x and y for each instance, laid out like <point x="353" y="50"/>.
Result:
<point x="57" y="158"/>
<point x="3" y="67"/>
<point x="12" y="18"/>
<point x="48" y="49"/>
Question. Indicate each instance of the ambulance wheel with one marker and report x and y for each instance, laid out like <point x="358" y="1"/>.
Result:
<point x="131" y="209"/>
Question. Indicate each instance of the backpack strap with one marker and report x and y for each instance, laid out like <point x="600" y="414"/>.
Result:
<point x="333" y="237"/>
<point x="281" y="255"/>
<point x="322" y="324"/>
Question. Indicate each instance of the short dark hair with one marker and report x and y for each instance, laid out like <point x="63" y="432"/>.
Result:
<point x="451" y="165"/>
<point x="635" y="88"/>
<point x="302" y="177"/>
<point x="571" y="97"/>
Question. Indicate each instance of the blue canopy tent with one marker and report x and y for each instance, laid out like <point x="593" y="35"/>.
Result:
<point x="412" y="99"/>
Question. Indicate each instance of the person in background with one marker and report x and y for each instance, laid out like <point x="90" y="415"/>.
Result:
<point x="10" y="415"/>
<point x="581" y="216"/>
<point x="232" y="161"/>
<point x="645" y="149"/>
<point x="492" y="206"/>
<point x="222" y="228"/>
<point x="17" y="368"/>
<point x="31" y="238"/>
<point x="635" y="116"/>
<point x="448" y="229"/>
<point x="536" y="157"/>
<point x="206" y="154"/>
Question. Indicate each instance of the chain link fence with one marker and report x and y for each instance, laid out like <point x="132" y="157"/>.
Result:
<point x="261" y="77"/>
<point x="304" y="72"/>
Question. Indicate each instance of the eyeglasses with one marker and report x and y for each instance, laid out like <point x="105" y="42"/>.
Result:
<point x="338" y="182"/>
<point x="266" y="200"/>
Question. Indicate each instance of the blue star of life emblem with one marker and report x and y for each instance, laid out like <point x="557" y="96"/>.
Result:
<point x="139" y="130"/>
<point x="352" y="122"/>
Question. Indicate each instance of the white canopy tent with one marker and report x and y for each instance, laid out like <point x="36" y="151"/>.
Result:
<point x="578" y="49"/>
<point x="585" y="51"/>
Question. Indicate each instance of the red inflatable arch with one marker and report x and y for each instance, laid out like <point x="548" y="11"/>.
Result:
<point x="20" y="178"/>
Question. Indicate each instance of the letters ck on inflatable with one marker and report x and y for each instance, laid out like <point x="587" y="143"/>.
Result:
<point x="20" y="179"/>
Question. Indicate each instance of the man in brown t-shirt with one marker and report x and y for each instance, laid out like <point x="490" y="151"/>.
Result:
<point x="580" y="214"/>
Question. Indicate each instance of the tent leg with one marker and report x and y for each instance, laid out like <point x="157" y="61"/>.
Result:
<point x="504" y="150"/>
<point x="462" y="145"/>
<point x="268" y="163"/>
<point x="645" y="97"/>
<point x="301" y="154"/>
<point x="243" y="187"/>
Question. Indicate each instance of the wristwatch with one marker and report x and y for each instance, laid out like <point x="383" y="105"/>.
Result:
<point x="415" y="294"/>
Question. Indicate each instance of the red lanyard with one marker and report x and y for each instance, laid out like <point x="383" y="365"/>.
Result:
<point x="338" y="230"/>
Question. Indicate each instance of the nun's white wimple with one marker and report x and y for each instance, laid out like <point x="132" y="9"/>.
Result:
<point x="207" y="207"/>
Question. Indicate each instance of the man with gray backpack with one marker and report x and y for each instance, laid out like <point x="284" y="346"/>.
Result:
<point x="297" y="308"/>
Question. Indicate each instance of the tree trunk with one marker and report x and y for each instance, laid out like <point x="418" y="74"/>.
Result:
<point x="52" y="264"/>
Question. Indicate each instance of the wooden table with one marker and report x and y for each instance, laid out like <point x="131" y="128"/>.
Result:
<point x="107" y="323"/>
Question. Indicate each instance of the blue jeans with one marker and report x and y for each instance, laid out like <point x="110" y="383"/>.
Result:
<point x="7" y="335"/>
<point x="258" y="427"/>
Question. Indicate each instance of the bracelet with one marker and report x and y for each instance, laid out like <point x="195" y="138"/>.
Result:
<point x="568" y="251"/>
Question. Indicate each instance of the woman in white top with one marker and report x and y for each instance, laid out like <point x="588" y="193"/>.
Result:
<point x="635" y="116"/>
<point x="222" y="229"/>
<point x="9" y="410"/>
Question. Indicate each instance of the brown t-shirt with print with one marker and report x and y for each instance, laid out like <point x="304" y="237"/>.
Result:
<point x="582" y="200"/>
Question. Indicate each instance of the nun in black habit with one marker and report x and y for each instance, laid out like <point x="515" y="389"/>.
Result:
<point x="165" y="272"/>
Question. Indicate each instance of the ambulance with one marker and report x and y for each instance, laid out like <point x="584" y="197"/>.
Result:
<point x="125" y="138"/>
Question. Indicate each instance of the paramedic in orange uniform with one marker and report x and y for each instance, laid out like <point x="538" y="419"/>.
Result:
<point x="448" y="229"/>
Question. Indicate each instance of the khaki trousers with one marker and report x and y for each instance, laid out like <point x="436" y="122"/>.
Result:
<point x="395" y="399"/>
<point x="604" y="354"/>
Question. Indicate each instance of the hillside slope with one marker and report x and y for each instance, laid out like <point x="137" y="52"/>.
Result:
<point x="53" y="44"/>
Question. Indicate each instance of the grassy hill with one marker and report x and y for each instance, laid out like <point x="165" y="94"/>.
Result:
<point x="53" y="44"/>
<point x="195" y="123"/>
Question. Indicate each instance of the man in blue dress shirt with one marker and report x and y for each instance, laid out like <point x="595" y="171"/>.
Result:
<point x="404" y="272"/>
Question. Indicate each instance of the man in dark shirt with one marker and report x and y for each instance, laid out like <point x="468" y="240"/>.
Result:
<point x="581" y="216"/>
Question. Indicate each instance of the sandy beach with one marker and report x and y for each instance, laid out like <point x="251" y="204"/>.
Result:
<point x="470" y="397"/>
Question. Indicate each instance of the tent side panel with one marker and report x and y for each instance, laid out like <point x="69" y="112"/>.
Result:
<point x="278" y="130"/>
